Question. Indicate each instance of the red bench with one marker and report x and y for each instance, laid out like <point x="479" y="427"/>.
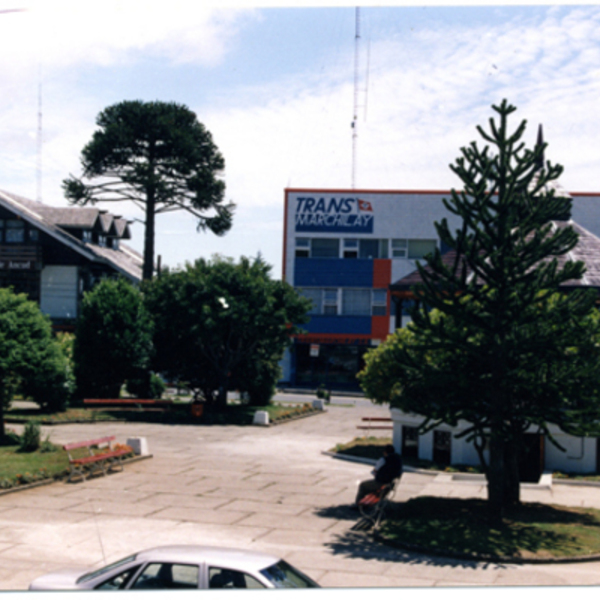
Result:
<point x="125" y="403"/>
<point x="100" y="457"/>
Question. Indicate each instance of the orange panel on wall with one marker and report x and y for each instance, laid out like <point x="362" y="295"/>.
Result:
<point x="380" y="327"/>
<point x="382" y="272"/>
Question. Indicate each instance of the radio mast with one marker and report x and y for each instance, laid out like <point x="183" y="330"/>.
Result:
<point x="355" y="112"/>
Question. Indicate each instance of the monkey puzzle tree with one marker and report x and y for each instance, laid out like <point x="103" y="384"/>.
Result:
<point x="496" y="339"/>
<point x="157" y="155"/>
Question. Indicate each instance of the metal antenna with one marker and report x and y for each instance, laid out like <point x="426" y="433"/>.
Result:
<point x="355" y="113"/>
<point x="39" y="138"/>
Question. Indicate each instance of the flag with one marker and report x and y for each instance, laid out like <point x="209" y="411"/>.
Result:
<point x="364" y="205"/>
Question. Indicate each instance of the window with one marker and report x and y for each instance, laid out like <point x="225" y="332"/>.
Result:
<point x="315" y="295"/>
<point x="350" y="248"/>
<point x="399" y="248"/>
<point x="228" y="578"/>
<point x="420" y="248"/>
<point x="15" y="231"/>
<point x="325" y="248"/>
<point x="117" y="582"/>
<point x="303" y="247"/>
<point x="412" y="248"/>
<point x="330" y="302"/>
<point x="33" y="235"/>
<point x="356" y="302"/>
<point x="373" y="249"/>
<point x="167" y="576"/>
<point x="87" y="236"/>
<point x="379" y="303"/>
<point x="102" y="241"/>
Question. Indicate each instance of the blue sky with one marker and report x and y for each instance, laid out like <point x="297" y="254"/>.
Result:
<point x="275" y="88"/>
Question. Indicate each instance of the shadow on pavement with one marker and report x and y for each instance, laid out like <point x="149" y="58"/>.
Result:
<point x="356" y="544"/>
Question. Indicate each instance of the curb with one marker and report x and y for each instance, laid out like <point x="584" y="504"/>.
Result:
<point x="483" y="557"/>
<point x="60" y="479"/>
<point x="294" y="418"/>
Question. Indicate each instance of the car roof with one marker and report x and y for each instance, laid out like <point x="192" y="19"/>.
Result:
<point x="217" y="556"/>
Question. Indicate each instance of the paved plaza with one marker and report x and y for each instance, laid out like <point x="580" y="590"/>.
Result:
<point x="271" y="489"/>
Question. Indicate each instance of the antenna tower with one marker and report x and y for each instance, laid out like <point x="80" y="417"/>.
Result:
<point x="355" y="112"/>
<point x="39" y="140"/>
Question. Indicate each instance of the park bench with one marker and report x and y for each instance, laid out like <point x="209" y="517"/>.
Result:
<point x="372" y="506"/>
<point x="128" y="403"/>
<point x="371" y="420"/>
<point x="100" y="456"/>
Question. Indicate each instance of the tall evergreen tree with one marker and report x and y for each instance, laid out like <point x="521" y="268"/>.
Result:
<point x="158" y="156"/>
<point x="504" y="347"/>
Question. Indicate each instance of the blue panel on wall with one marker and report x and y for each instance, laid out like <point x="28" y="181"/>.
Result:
<point x="333" y="272"/>
<point x="341" y="325"/>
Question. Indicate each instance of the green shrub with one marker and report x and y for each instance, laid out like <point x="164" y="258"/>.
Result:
<point x="30" y="439"/>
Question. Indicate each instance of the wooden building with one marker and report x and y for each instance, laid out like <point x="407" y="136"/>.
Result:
<point x="56" y="254"/>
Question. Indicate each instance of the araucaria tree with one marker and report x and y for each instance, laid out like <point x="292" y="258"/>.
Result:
<point x="222" y="325"/>
<point x="157" y="155"/>
<point x="502" y="336"/>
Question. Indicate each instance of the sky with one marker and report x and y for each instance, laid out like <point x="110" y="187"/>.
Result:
<point x="275" y="86"/>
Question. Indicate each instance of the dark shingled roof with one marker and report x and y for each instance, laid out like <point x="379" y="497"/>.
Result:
<point x="56" y="222"/>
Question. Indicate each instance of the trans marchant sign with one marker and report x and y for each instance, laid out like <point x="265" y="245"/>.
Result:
<point x="333" y="214"/>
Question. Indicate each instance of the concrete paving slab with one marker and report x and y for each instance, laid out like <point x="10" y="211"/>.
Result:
<point x="270" y="508"/>
<point x="200" y="515"/>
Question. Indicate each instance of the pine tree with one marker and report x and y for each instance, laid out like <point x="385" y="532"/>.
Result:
<point x="495" y="339"/>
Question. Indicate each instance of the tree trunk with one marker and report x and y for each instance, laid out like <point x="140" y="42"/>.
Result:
<point x="148" y="268"/>
<point x="496" y="476"/>
<point x="512" y="480"/>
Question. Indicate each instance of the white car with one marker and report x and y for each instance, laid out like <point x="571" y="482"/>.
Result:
<point x="181" y="567"/>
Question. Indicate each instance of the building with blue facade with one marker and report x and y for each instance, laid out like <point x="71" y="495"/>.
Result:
<point x="344" y="249"/>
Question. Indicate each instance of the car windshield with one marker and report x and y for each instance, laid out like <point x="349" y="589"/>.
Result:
<point x="283" y="575"/>
<point x="107" y="568"/>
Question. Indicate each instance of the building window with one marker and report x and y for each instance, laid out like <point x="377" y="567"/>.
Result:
<point x="114" y="243"/>
<point x="315" y="295"/>
<point x="325" y="248"/>
<point x="87" y="236"/>
<point x="350" y="248"/>
<point x="303" y="247"/>
<point x="379" y="303"/>
<point x="102" y="241"/>
<point x="373" y="249"/>
<point x="356" y="302"/>
<point x="330" y="301"/>
<point x="414" y="249"/>
<point x="33" y="235"/>
<point x="14" y="232"/>
<point x="420" y="248"/>
<point x="399" y="248"/>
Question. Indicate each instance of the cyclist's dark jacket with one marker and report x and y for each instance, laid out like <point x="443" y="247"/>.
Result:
<point x="390" y="470"/>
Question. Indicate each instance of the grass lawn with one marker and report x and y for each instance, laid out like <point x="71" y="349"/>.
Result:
<point x="461" y="526"/>
<point x="234" y="414"/>
<point x="17" y="468"/>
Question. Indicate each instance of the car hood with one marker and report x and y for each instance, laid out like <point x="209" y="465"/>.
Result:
<point x="64" y="579"/>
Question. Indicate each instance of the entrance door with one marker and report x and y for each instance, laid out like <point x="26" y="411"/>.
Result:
<point x="442" y="444"/>
<point x="531" y="462"/>
<point x="410" y="442"/>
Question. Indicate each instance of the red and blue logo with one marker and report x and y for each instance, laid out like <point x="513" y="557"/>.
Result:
<point x="334" y="215"/>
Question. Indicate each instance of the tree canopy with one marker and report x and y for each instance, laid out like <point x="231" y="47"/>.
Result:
<point x="496" y="339"/>
<point x="113" y="339"/>
<point x="222" y="325"/>
<point x="31" y="361"/>
<point x="160" y="157"/>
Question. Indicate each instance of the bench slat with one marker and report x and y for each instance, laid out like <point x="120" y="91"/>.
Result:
<point x="87" y="444"/>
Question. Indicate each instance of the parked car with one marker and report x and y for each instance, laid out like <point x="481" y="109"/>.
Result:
<point x="185" y="567"/>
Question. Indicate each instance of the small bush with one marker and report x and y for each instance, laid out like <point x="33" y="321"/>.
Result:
<point x="30" y="439"/>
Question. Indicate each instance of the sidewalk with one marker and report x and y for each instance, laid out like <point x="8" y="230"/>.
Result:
<point x="267" y="489"/>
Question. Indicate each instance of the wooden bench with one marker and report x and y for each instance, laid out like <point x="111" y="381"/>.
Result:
<point x="370" y="420"/>
<point x="128" y="403"/>
<point x="100" y="457"/>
